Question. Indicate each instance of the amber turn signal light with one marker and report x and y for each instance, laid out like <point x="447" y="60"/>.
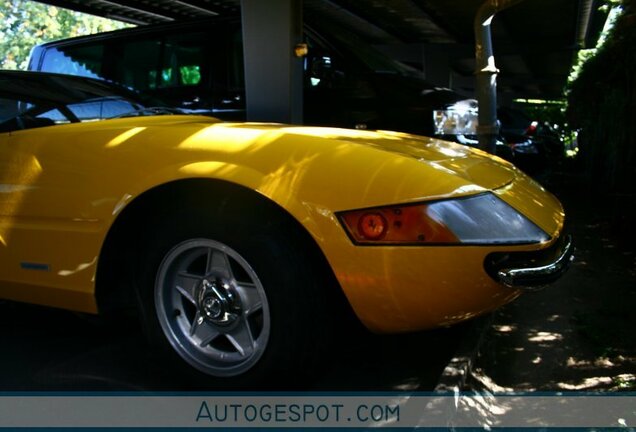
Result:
<point x="406" y="224"/>
<point x="372" y="226"/>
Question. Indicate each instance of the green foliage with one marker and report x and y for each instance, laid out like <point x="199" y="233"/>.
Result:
<point x="582" y="57"/>
<point x="602" y="103"/>
<point x="26" y="23"/>
<point x="190" y="75"/>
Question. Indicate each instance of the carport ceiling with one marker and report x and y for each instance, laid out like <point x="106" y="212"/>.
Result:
<point x="535" y="41"/>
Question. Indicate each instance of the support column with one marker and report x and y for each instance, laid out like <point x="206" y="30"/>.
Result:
<point x="273" y="74"/>
<point x="488" y="127"/>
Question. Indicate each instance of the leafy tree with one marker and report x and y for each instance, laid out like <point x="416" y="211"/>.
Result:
<point x="26" y="23"/>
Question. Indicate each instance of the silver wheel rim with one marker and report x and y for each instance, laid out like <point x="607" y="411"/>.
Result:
<point x="212" y="307"/>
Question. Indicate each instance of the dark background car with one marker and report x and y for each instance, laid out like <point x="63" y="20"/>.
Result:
<point x="542" y="148"/>
<point x="199" y="66"/>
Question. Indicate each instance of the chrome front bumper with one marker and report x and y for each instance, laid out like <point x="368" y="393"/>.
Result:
<point x="532" y="270"/>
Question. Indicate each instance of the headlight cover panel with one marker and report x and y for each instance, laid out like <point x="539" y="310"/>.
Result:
<point x="482" y="219"/>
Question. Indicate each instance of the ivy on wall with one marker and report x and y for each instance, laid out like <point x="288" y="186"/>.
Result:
<point x="602" y="104"/>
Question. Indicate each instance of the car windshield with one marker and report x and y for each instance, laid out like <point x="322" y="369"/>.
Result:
<point x="31" y="99"/>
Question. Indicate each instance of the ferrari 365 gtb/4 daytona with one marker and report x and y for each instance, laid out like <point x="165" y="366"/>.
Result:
<point x="237" y="243"/>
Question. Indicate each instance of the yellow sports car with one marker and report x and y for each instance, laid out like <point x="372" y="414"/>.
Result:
<point x="238" y="243"/>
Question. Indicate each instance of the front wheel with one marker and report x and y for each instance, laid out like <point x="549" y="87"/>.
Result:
<point x="241" y="300"/>
<point x="212" y="307"/>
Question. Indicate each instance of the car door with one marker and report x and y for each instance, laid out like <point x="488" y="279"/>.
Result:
<point x="19" y="174"/>
<point x="44" y="255"/>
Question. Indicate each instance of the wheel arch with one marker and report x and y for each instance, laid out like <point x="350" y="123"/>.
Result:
<point x="115" y="290"/>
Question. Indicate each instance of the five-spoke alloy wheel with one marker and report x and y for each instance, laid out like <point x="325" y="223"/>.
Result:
<point x="212" y="307"/>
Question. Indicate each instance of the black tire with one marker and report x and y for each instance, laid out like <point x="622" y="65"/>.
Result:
<point x="265" y="247"/>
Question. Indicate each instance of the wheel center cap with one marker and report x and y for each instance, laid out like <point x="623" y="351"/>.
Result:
<point x="212" y="307"/>
<point x="217" y="303"/>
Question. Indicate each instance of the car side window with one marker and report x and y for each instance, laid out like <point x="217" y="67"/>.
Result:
<point x="83" y="60"/>
<point x="19" y="115"/>
<point x="101" y="108"/>
<point x="159" y="62"/>
<point x="182" y="61"/>
<point x="49" y="117"/>
<point x="137" y="63"/>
